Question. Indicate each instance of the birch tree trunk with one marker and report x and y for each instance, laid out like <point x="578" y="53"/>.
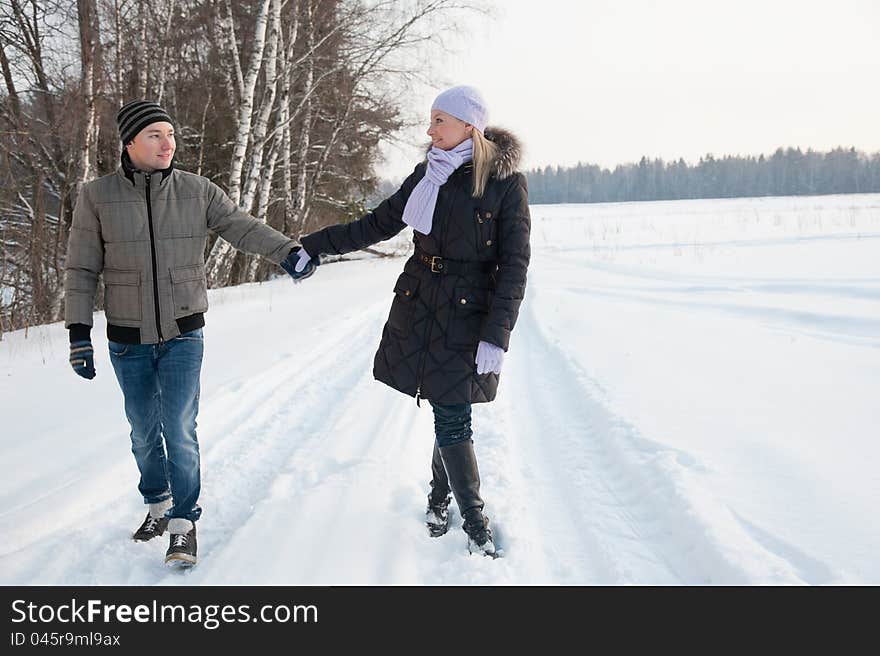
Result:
<point x="257" y="263"/>
<point x="255" y="174"/>
<point x="222" y="254"/>
<point x="246" y="106"/>
<point x="299" y="200"/>
<point x="87" y="34"/>
<point x="258" y="134"/>
<point x="163" y="59"/>
<point x="265" y="194"/>
<point x="284" y="117"/>
<point x="142" y="50"/>
<point x="117" y="25"/>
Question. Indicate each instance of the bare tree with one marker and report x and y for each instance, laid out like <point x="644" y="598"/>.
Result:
<point x="221" y="257"/>
<point x="279" y="101"/>
<point x="299" y="195"/>
<point x="225" y="32"/>
<point x="89" y="38"/>
<point x="246" y="101"/>
<point x="141" y="48"/>
<point x="383" y="30"/>
<point x="163" y="59"/>
<point x="284" y="116"/>
<point x="261" y="121"/>
<point x="35" y="201"/>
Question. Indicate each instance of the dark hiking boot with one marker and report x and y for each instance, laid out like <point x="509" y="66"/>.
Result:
<point x="151" y="528"/>
<point x="182" y="544"/>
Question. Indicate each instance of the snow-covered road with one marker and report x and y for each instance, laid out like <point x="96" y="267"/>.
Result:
<point x="690" y="397"/>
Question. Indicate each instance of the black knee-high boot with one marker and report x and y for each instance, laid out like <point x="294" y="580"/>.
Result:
<point x="439" y="480"/>
<point x="464" y="477"/>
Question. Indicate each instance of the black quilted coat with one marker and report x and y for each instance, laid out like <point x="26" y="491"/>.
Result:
<point x="463" y="284"/>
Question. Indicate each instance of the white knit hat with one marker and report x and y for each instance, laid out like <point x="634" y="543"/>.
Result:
<point x="464" y="103"/>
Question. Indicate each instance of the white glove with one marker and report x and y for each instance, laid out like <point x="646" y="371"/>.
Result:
<point x="489" y="358"/>
<point x="302" y="261"/>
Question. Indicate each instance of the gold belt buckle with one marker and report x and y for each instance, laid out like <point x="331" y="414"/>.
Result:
<point x="436" y="266"/>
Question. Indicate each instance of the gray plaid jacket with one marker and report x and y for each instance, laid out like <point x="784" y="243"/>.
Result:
<point x="147" y="235"/>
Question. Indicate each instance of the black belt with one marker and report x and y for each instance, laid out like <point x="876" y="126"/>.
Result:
<point x="439" y="264"/>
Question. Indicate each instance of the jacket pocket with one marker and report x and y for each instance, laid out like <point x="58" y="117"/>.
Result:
<point x="470" y="307"/>
<point x="117" y="348"/>
<point x="189" y="290"/>
<point x="485" y="230"/>
<point x="402" y="307"/>
<point x="122" y="296"/>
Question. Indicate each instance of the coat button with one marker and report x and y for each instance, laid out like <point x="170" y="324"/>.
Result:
<point x="463" y="301"/>
<point x="406" y="293"/>
<point x="489" y="242"/>
<point x="488" y="215"/>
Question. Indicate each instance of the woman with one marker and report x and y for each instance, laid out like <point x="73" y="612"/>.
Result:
<point x="458" y="297"/>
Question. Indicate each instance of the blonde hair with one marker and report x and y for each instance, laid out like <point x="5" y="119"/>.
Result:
<point x="485" y="153"/>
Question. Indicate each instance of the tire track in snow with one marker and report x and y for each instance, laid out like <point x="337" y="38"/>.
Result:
<point x="253" y="450"/>
<point x="315" y="513"/>
<point x="285" y="408"/>
<point x="637" y="506"/>
<point x="569" y="516"/>
<point x="348" y="507"/>
<point x="834" y="327"/>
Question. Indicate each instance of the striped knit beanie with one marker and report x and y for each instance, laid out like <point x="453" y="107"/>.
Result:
<point x="136" y="115"/>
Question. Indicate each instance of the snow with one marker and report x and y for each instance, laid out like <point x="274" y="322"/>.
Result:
<point x="690" y="397"/>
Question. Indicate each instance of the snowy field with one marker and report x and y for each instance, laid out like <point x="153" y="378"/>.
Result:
<point x="691" y="397"/>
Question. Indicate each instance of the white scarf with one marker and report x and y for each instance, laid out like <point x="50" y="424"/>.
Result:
<point x="419" y="210"/>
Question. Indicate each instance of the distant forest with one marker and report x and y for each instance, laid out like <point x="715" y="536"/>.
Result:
<point x="788" y="172"/>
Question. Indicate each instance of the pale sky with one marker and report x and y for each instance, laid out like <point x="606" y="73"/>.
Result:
<point x="607" y="81"/>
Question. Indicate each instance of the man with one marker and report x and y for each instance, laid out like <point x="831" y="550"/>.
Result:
<point x="144" y="228"/>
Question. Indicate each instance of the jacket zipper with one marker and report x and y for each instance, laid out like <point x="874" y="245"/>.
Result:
<point x="427" y="342"/>
<point x="433" y="308"/>
<point x="155" y="267"/>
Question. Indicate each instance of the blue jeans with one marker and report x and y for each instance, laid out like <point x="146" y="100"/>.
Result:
<point x="452" y="423"/>
<point x="160" y="383"/>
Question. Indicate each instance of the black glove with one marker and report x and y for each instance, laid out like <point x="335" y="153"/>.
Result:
<point x="82" y="359"/>
<point x="299" y="264"/>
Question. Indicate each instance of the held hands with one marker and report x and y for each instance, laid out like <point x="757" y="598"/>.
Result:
<point x="489" y="358"/>
<point x="299" y="264"/>
<point x="82" y="359"/>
